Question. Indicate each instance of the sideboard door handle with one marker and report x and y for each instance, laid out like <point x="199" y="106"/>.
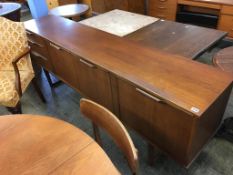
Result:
<point x="149" y="96"/>
<point x="29" y="33"/>
<point x="39" y="55"/>
<point x="86" y="63"/>
<point x="55" y="46"/>
<point x="35" y="43"/>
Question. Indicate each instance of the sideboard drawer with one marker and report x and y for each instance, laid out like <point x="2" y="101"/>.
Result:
<point x="227" y="10"/>
<point x="165" y="9"/>
<point x="39" y="51"/>
<point x="153" y="118"/>
<point x="226" y="24"/>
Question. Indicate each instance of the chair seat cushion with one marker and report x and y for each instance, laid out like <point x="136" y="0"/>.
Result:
<point x="8" y="93"/>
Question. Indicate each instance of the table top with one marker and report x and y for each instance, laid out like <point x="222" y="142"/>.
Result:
<point x="176" y="38"/>
<point x="45" y="145"/>
<point x="69" y="10"/>
<point x="176" y="80"/>
<point x="6" y="8"/>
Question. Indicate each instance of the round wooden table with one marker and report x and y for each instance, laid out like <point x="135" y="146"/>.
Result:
<point x="43" y="145"/>
<point x="224" y="59"/>
<point x="70" y="10"/>
<point x="10" y="10"/>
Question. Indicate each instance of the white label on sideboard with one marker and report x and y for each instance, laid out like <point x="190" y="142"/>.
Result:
<point x="194" y="109"/>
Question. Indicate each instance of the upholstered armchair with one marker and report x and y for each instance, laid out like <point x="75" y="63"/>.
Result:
<point x="16" y="70"/>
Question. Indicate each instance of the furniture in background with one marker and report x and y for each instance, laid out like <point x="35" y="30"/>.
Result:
<point x="69" y="10"/>
<point x="103" y="118"/>
<point x="16" y="70"/>
<point x="176" y="38"/>
<point x="159" y="95"/>
<point x="224" y="60"/>
<point x="10" y="10"/>
<point x="102" y="6"/>
<point x="220" y="11"/>
<point x="45" y="145"/>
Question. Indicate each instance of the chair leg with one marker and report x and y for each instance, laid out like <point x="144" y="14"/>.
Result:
<point x="48" y="78"/>
<point x="38" y="90"/>
<point x="15" y="110"/>
<point x="97" y="134"/>
<point x="51" y="84"/>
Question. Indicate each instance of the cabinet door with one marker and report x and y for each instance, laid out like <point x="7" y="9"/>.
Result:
<point x="162" y="124"/>
<point x="226" y="24"/>
<point x="39" y="52"/>
<point x="137" y="6"/>
<point x="64" y="64"/>
<point x="116" y="4"/>
<point x="94" y="83"/>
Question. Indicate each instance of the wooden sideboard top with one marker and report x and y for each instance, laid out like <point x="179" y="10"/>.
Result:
<point x="176" y="80"/>
<point x="222" y="2"/>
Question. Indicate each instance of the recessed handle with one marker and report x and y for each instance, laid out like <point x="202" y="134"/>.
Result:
<point x="162" y="8"/>
<point x="162" y="0"/>
<point x="39" y="55"/>
<point x="148" y="95"/>
<point x="29" y="33"/>
<point x="35" y="43"/>
<point x="86" y="63"/>
<point x="55" y="46"/>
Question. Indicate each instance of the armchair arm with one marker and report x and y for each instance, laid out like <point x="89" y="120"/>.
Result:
<point x="16" y="69"/>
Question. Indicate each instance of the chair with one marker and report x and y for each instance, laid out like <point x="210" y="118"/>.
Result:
<point x="224" y="59"/>
<point x="109" y="122"/>
<point x="16" y="70"/>
<point x="52" y="3"/>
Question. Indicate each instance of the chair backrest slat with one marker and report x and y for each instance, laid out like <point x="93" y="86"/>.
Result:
<point x="103" y="118"/>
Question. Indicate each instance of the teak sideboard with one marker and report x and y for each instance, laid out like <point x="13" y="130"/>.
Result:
<point x="173" y="102"/>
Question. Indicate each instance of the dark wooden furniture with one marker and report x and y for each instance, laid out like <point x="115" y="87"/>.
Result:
<point x="224" y="60"/>
<point x="167" y="9"/>
<point x="173" y="102"/>
<point x="45" y="145"/>
<point x="101" y="117"/>
<point x="101" y="6"/>
<point x="69" y="10"/>
<point x="10" y="10"/>
<point x="186" y="40"/>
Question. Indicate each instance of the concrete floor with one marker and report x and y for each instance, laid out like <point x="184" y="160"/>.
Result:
<point x="63" y="103"/>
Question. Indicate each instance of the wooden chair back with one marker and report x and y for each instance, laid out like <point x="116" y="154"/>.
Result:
<point x="103" y="118"/>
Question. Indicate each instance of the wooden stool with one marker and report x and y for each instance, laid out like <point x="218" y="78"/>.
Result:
<point x="224" y="59"/>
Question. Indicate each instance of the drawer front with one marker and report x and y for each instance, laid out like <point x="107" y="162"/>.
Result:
<point x="165" y="9"/>
<point x="227" y="10"/>
<point x="200" y="4"/>
<point x="63" y="64"/>
<point x="226" y="24"/>
<point x="39" y="51"/>
<point x="167" y="127"/>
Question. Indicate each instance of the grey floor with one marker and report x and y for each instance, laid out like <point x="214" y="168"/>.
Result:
<point x="63" y="103"/>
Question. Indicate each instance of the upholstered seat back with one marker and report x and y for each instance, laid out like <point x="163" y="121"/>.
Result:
<point x="13" y="41"/>
<point x="52" y="3"/>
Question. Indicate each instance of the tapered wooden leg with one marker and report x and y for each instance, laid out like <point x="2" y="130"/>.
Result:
<point x="48" y="77"/>
<point x="51" y="84"/>
<point x="15" y="110"/>
<point x="38" y="90"/>
<point x="97" y="134"/>
<point x="150" y="154"/>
